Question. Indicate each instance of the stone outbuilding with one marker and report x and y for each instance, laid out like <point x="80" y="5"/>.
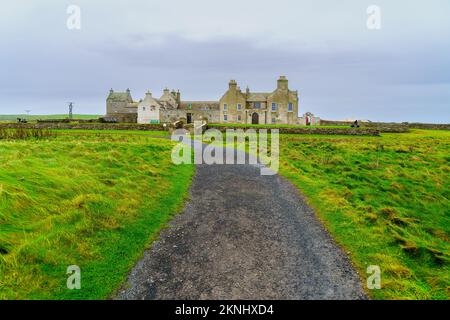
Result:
<point x="235" y="106"/>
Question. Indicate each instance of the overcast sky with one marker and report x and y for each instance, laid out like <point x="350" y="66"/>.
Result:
<point x="342" y="69"/>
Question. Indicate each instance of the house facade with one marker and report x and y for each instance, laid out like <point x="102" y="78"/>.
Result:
<point x="277" y="107"/>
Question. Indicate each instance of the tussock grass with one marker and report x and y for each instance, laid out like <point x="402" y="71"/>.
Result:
<point x="13" y="117"/>
<point x="91" y="199"/>
<point x="385" y="200"/>
<point x="21" y="133"/>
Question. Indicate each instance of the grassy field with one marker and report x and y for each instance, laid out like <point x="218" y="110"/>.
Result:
<point x="385" y="200"/>
<point x="13" y="117"/>
<point x="92" y="199"/>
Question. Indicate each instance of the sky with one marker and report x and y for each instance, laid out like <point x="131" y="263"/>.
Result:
<point x="341" y="68"/>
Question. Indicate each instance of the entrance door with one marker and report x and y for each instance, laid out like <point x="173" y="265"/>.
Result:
<point x="255" y="118"/>
<point x="189" y="117"/>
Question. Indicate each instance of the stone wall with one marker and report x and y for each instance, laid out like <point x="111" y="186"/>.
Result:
<point x="309" y="130"/>
<point x="390" y="125"/>
<point x="170" y="116"/>
<point x="431" y="126"/>
<point x="85" y="126"/>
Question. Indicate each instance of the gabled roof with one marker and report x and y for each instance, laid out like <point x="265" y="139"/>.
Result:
<point x="198" y="105"/>
<point x="258" y="96"/>
<point x="120" y="96"/>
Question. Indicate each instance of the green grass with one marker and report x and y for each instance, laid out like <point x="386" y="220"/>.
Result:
<point x="93" y="199"/>
<point x="13" y="117"/>
<point x="385" y="200"/>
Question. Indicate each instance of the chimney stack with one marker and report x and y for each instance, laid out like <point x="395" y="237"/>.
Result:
<point x="178" y="97"/>
<point x="282" y="83"/>
<point x="232" y="85"/>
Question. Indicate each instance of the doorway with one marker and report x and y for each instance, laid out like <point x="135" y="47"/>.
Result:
<point x="255" y="118"/>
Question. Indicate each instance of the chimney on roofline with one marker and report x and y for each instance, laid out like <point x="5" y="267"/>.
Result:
<point x="178" y="97"/>
<point x="232" y="85"/>
<point x="282" y="83"/>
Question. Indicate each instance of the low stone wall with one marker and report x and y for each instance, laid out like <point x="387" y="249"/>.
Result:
<point x="389" y="126"/>
<point x="67" y="120"/>
<point x="85" y="126"/>
<point x="429" y="126"/>
<point x="311" y="130"/>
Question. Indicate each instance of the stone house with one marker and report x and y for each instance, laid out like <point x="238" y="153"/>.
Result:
<point x="120" y="106"/>
<point x="277" y="107"/>
<point x="149" y="110"/>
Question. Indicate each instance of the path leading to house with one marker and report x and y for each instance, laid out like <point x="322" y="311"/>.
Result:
<point x="243" y="236"/>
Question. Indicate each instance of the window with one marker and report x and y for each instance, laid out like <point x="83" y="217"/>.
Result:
<point x="274" y="106"/>
<point x="239" y="117"/>
<point x="290" y="106"/>
<point x="274" y="120"/>
<point x="225" y="117"/>
<point x="239" y="106"/>
<point x="258" y="105"/>
<point x="143" y="108"/>
<point x="225" y="106"/>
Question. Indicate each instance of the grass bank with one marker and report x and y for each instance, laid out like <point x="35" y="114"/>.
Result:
<point x="385" y="200"/>
<point x="91" y="199"/>
<point x="13" y="117"/>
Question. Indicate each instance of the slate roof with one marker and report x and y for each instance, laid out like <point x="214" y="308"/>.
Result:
<point x="119" y="96"/>
<point x="199" y="105"/>
<point x="258" y="96"/>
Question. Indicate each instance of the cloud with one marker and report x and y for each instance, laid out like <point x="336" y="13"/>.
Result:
<point x="401" y="72"/>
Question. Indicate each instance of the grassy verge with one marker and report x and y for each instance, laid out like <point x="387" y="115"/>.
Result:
<point x="90" y="199"/>
<point x="385" y="200"/>
<point x="13" y="117"/>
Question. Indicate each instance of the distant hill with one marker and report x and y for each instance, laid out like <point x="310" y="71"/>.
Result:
<point x="9" y="117"/>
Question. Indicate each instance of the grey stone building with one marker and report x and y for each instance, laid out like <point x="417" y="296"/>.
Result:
<point x="277" y="107"/>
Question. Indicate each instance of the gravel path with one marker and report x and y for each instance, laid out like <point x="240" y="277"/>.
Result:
<point x="243" y="236"/>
